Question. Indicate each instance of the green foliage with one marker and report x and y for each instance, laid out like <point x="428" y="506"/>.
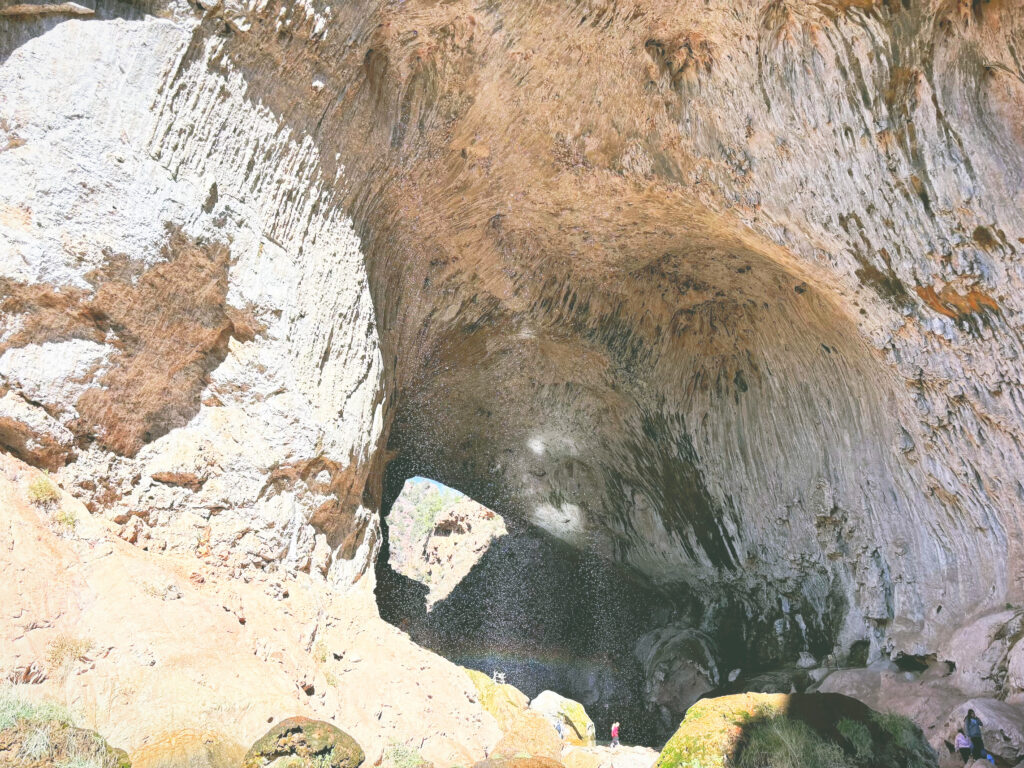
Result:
<point x="41" y="491"/>
<point x="14" y="708"/>
<point x="66" y="518"/>
<point x="401" y="756"/>
<point x="859" y="737"/>
<point x="901" y="730"/>
<point x="428" y="507"/>
<point x="780" y="742"/>
<point x="904" y="745"/>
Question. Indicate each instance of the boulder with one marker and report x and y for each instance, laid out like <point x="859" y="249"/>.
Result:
<point x="528" y="734"/>
<point x="501" y="700"/>
<point x="315" y="743"/>
<point x="607" y="757"/>
<point x="1002" y="730"/>
<point x="679" y="665"/>
<point x="819" y="728"/>
<point x="981" y="652"/>
<point x="526" y="731"/>
<point x="39" y="743"/>
<point x="191" y="748"/>
<point x="577" y="728"/>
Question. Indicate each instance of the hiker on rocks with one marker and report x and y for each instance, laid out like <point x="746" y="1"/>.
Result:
<point x="962" y="745"/>
<point x="615" y="734"/>
<point x="973" y="727"/>
<point x="558" y="727"/>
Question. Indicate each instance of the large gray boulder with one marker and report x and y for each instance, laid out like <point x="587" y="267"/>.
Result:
<point x="1002" y="729"/>
<point x="680" y="666"/>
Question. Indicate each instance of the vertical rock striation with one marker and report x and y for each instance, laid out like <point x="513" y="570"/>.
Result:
<point x="728" y="293"/>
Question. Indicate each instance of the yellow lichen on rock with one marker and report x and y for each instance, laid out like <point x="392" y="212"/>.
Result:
<point x="712" y="729"/>
<point x="526" y="731"/>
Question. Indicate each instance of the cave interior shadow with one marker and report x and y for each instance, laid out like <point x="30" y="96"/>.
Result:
<point x="546" y="614"/>
<point x="868" y="739"/>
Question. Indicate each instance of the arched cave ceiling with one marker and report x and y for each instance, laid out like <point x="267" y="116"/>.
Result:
<point x="727" y="291"/>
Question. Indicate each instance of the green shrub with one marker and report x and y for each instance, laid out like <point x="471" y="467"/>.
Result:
<point x="400" y="756"/>
<point x="904" y="745"/>
<point x="14" y="708"/>
<point x="901" y="730"/>
<point x="780" y="742"/>
<point x="859" y="737"/>
<point x="66" y="518"/>
<point x="41" y="491"/>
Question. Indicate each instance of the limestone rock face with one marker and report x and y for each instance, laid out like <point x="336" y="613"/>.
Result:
<point x="1002" y="730"/>
<point x="728" y="292"/>
<point x="166" y="655"/>
<point x="197" y="378"/>
<point x="679" y="668"/>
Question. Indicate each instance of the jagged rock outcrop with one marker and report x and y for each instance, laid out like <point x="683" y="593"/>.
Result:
<point x="728" y="293"/>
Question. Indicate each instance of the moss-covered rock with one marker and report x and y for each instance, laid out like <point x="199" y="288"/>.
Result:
<point x="527" y="732"/>
<point x="577" y="728"/>
<point x="305" y="743"/>
<point x="773" y="730"/>
<point x="712" y="729"/>
<point x="30" y="743"/>
<point x="503" y="701"/>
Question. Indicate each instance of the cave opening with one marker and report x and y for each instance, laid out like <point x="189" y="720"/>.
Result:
<point x="498" y="594"/>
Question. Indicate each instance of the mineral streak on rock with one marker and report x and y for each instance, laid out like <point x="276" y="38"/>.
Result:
<point x="726" y="292"/>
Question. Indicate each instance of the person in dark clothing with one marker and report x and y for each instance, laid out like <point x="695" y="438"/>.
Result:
<point x="973" y="727"/>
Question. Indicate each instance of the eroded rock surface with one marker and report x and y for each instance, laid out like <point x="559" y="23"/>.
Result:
<point x="725" y="293"/>
<point x="166" y="655"/>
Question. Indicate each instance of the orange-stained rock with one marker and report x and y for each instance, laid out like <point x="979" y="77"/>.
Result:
<point x="190" y="748"/>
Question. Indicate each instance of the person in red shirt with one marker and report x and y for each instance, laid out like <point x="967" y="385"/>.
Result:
<point x="615" y="734"/>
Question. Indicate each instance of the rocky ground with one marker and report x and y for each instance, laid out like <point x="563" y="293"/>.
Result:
<point x="149" y="647"/>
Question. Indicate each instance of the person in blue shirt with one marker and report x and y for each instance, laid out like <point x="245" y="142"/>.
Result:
<point x="973" y="727"/>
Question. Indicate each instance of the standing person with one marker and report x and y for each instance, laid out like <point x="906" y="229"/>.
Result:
<point x="615" y="734"/>
<point x="962" y="745"/>
<point x="558" y="727"/>
<point x="973" y="726"/>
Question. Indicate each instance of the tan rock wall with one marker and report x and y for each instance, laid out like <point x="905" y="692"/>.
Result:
<point x="726" y="291"/>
